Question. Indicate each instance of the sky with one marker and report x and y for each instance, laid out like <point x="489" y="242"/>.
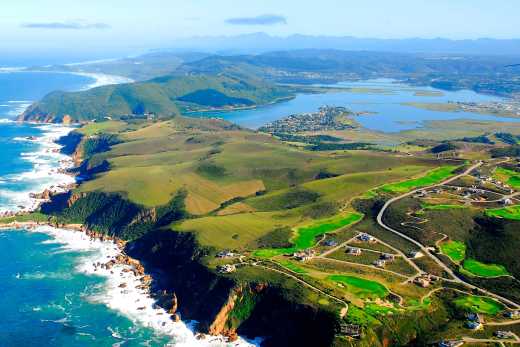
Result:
<point x="37" y="26"/>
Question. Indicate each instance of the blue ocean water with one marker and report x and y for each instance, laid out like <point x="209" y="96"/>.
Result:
<point x="51" y="293"/>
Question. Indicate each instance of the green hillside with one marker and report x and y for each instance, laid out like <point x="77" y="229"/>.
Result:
<point x="164" y="96"/>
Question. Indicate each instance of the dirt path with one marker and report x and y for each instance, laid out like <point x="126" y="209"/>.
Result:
<point x="343" y="311"/>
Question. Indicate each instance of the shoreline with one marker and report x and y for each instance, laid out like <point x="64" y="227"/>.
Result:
<point x="128" y="287"/>
<point x="48" y="175"/>
<point x="100" y="79"/>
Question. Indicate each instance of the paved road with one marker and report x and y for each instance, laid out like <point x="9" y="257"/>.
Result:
<point x="424" y="249"/>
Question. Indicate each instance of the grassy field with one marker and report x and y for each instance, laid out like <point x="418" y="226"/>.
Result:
<point x="508" y="176"/>
<point x="479" y="304"/>
<point x="346" y="187"/>
<point x="102" y="127"/>
<point x="477" y="268"/>
<point x="30" y="217"/>
<point x="360" y="287"/>
<point x="512" y="212"/>
<point x="455" y="250"/>
<point x="236" y="231"/>
<point x="216" y="162"/>
<point x="292" y="266"/>
<point x="432" y="177"/>
<point x="305" y="237"/>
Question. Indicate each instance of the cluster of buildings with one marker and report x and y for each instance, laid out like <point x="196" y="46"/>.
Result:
<point x="424" y="280"/>
<point x="226" y="268"/>
<point x="514" y="314"/>
<point x="304" y="255"/>
<point x="330" y="243"/>
<point x="489" y="179"/>
<point x="474" y="321"/>
<point x="324" y="119"/>
<point x="350" y="330"/>
<point x="511" y="108"/>
<point x="504" y="335"/>
<point x="383" y="260"/>
<point x="226" y="254"/>
<point x="366" y="238"/>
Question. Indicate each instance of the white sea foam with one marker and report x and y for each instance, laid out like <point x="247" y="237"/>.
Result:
<point x="11" y="69"/>
<point x="101" y="79"/>
<point x="47" y="172"/>
<point x="131" y="301"/>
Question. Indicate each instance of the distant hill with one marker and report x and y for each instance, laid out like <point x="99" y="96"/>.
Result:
<point x="261" y="43"/>
<point x="164" y="96"/>
<point x="140" y="68"/>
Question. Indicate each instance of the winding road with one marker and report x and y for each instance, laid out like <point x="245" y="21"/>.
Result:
<point x="425" y="249"/>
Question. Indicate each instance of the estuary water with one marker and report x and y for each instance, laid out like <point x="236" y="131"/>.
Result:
<point x="386" y="102"/>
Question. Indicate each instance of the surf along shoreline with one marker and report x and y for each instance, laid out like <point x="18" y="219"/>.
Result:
<point x="128" y="286"/>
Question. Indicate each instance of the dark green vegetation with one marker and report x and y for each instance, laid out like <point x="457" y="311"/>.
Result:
<point x="508" y="138"/>
<point x="109" y="213"/>
<point x="183" y="189"/>
<point x="511" y="151"/>
<point x="174" y="83"/>
<point x="162" y="96"/>
<point x="444" y="147"/>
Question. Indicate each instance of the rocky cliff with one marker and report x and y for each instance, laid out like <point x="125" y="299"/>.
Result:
<point x="224" y="305"/>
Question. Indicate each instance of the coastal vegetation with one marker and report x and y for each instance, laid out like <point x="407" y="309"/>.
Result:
<point x="163" y="97"/>
<point x="278" y="231"/>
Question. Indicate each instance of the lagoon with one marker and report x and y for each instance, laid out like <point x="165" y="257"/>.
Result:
<point x="383" y="97"/>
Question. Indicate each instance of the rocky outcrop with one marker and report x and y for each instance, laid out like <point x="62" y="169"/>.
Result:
<point x="145" y="216"/>
<point x="45" y="195"/>
<point x="218" y="326"/>
<point x="223" y="305"/>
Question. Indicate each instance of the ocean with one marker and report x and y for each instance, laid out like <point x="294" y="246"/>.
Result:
<point x="51" y="294"/>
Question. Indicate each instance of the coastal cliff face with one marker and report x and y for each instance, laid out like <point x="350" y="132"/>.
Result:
<point x="223" y="305"/>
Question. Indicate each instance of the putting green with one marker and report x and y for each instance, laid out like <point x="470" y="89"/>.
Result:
<point x="477" y="268"/>
<point x="360" y="287"/>
<point x="455" y="250"/>
<point x="479" y="304"/>
<point x="512" y="212"/>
